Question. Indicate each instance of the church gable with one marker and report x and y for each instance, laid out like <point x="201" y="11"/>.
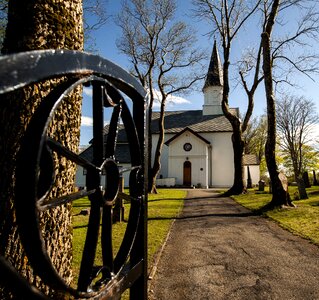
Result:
<point x="188" y="155"/>
<point x="187" y="143"/>
<point x="186" y="133"/>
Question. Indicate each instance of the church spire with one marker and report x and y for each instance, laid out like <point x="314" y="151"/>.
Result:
<point x="213" y="87"/>
<point x="214" y="75"/>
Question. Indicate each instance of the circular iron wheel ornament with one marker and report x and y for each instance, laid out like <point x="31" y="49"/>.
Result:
<point x="35" y="178"/>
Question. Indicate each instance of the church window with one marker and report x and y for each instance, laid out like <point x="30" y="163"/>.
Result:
<point x="187" y="146"/>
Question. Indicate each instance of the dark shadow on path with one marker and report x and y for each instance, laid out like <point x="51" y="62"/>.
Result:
<point x="235" y="215"/>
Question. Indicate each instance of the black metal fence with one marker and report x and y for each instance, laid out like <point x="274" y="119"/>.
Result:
<point x="109" y="83"/>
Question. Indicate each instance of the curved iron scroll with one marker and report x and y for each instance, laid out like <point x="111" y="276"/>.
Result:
<point x="35" y="171"/>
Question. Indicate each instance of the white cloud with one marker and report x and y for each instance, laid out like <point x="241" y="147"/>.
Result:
<point x="86" y="121"/>
<point x="314" y="134"/>
<point x="87" y="91"/>
<point x="171" y="99"/>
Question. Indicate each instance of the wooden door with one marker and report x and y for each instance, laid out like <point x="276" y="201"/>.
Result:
<point x="187" y="173"/>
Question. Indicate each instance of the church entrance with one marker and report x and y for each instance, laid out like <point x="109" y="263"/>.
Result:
<point x="187" y="173"/>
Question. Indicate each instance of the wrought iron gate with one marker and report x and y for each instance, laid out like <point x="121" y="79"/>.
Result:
<point x="35" y="174"/>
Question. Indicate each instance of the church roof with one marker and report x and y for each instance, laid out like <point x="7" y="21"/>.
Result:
<point x="214" y="75"/>
<point x="122" y="153"/>
<point x="189" y="130"/>
<point x="176" y="121"/>
<point x="251" y="159"/>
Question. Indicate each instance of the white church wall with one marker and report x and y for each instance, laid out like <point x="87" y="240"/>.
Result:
<point x="176" y="168"/>
<point x="254" y="174"/>
<point x="212" y="100"/>
<point x="222" y="164"/>
<point x="126" y="175"/>
<point x="213" y="95"/>
<point x="198" y="156"/>
<point x="80" y="177"/>
<point x="200" y="171"/>
<point x="164" y="157"/>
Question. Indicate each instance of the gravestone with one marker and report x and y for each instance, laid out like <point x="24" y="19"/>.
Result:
<point x="315" y="182"/>
<point x="249" y="183"/>
<point x="118" y="209"/>
<point x="261" y="185"/>
<point x="305" y="178"/>
<point x="284" y="181"/>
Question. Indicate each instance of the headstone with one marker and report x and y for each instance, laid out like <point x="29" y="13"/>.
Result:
<point x="305" y="178"/>
<point x="249" y="183"/>
<point x="261" y="185"/>
<point x="315" y="182"/>
<point x="84" y="212"/>
<point x="118" y="209"/>
<point x="284" y="181"/>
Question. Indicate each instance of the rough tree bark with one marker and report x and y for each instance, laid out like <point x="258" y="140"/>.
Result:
<point x="279" y="195"/>
<point x="158" y="151"/>
<point x="39" y="25"/>
<point x="237" y="140"/>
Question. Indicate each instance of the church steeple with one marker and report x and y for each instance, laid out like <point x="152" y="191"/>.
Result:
<point x="214" y="75"/>
<point x="213" y="87"/>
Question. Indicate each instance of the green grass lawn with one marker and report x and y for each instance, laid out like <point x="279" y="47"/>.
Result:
<point x="162" y="209"/>
<point x="302" y="220"/>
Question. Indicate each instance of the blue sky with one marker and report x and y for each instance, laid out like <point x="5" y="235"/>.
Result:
<point x="106" y="37"/>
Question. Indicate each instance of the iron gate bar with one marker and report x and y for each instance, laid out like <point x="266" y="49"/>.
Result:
<point x="58" y="147"/>
<point x="13" y="280"/>
<point x="43" y="205"/>
<point x="22" y="69"/>
<point x="93" y="182"/>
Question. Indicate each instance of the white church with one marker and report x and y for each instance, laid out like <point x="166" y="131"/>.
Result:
<point x="198" y="150"/>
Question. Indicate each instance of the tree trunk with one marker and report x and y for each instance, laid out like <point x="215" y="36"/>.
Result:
<point x="157" y="157"/>
<point x="300" y="181"/>
<point x="150" y="139"/>
<point x="39" y="25"/>
<point x="238" y="148"/>
<point x="237" y="141"/>
<point x="279" y="195"/>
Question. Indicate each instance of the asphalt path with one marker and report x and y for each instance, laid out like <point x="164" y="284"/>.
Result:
<point x="219" y="250"/>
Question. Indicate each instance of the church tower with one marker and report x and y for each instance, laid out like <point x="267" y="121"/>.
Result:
<point x="213" y="87"/>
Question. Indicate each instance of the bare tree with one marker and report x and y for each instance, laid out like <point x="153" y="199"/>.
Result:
<point x="163" y="57"/>
<point x="280" y="195"/>
<point x="296" y="117"/>
<point x="292" y="52"/>
<point x="280" y="59"/>
<point x="95" y="16"/>
<point x="228" y="18"/>
<point x="255" y="138"/>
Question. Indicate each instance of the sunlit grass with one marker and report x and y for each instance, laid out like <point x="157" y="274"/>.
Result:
<point x="162" y="209"/>
<point x="302" y="220"/>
